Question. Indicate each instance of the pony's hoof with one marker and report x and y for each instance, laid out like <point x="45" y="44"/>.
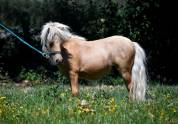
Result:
<point x="75" y="94"/>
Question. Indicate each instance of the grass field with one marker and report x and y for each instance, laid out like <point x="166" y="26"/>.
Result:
<point x="53" y="104"/>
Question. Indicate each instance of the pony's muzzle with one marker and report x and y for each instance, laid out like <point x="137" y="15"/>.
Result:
<point x="58" y="61"/>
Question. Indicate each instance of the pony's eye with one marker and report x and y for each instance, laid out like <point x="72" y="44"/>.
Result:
<point x="51" y="44"/>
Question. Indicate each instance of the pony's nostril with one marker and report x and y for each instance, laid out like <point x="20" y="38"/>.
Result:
<point x="58" y="61"/>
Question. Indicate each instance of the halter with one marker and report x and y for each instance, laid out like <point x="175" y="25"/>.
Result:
<point x="48" y="54"/>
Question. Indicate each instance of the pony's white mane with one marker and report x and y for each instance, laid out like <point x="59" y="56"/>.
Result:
<point x="51" y="29"/>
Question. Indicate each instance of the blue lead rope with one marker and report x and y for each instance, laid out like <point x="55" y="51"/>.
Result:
<point x="40" y="52"/>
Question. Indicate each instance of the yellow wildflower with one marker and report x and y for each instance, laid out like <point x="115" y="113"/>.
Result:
<point x="2" y="97"/>
<point x="70" y="110"/>
<point x="70" y="99"/>
<point x="84" y="107"/>
<point x="111" y="107"/>
<point x="112" y="100"/>
<point x="0" y="112"/>
<point x="162" y="114"/>
<point x="168" y="96"/>
<point x="174" y="110"/>
<point x="44" y="111"/>
<point x="62" y="94"/>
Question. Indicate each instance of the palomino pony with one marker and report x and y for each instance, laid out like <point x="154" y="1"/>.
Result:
<point x="78" y="58"/>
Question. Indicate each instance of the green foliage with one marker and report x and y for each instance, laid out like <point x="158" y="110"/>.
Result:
<point x="53" y="104"/>
<point x="30" y="75"/>
<point x="4" y="78"/>
<point x="42" y="76"/>
<point x="61" y="79"/>
<point x="109" y="80"/>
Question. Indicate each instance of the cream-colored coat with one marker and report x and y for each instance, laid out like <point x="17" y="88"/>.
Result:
<point x="93" y="59"/>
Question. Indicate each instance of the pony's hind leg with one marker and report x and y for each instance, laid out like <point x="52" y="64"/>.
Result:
<point x="127" y="78"/>
<point x="126" y="74"/>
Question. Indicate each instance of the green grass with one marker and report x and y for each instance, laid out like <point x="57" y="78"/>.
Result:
<point x="52" y="104"/>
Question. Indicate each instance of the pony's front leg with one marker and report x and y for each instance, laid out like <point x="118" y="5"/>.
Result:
<point x="74" y="82"/>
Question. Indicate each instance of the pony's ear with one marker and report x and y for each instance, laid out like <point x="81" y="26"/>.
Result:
<point x="62" y="28"/>
<point x="46" y="36"/>
<point x="69" y="29"/>
<point x="66" y="28"/>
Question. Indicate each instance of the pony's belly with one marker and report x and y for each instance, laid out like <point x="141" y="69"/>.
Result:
<point x="93" y="75"/>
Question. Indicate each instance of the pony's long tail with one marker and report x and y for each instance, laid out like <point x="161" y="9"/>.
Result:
<point x="139" y="76"/>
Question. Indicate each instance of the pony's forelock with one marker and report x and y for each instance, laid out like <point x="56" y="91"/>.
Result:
<point x="51" y="29"/>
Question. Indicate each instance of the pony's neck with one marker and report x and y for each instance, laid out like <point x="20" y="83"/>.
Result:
<point x="78" y="37"/>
